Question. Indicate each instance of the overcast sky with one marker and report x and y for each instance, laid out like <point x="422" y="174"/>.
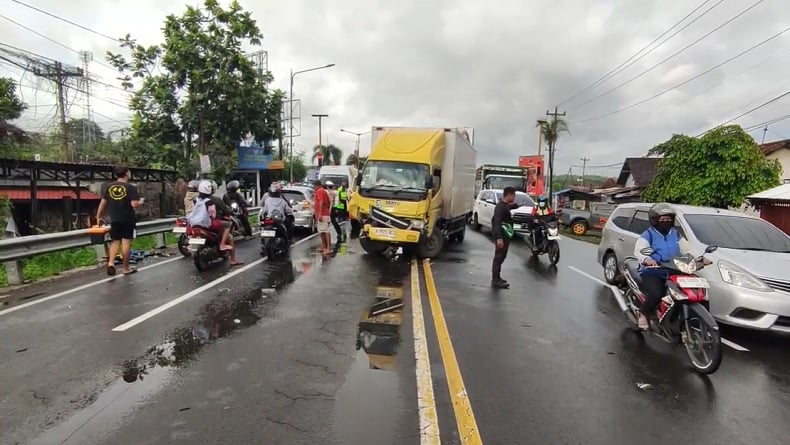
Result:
<point x="496" y="66"/>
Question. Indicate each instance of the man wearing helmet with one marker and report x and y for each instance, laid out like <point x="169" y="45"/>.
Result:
<point x="543" y="213"/>
<point x="232" y="195"/>
<point x="275" y="202"/>
<point x="665" y="240"/>
<point x="192" y="193"/>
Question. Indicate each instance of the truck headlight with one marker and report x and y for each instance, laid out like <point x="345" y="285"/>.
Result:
<point x="417" y="224"/>
<point x="736" y="276"/>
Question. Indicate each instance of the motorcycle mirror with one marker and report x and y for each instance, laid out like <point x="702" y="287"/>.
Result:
<point x="711" y="249"/>
<point x="249" y="200"/>
<point x="647" y="251"/>
<point x="292" y="202"/>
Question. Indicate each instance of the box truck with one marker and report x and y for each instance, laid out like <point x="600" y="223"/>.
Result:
<point x="416" y="189"/>
<point x="490" y="176"/>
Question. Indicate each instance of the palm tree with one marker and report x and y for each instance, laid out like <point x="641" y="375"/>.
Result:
<point x="331" y="154"/>
<point x="551" y="131"/>
<point x="352" y="160"/>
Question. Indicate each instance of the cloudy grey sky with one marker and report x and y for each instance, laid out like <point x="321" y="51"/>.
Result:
<point x="495" y="66"/>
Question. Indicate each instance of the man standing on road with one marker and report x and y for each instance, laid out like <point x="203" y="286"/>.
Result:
<point x="322" y="212"/>
<point x="502" y="226"/>
<point x="333" y="214"/>
<point x="340" y="209"/>
<point x="120" y="199"/>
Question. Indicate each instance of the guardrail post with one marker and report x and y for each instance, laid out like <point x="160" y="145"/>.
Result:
<point x="14" y="270"/>
<point x="160" y="240"/>
<point x="101" y="252"/>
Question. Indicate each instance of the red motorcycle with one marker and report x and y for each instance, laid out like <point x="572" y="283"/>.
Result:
<point x="204" y="245"/>
<point x="683" y="315"/>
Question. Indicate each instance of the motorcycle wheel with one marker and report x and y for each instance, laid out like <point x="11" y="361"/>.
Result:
<point x="703" y="345"/>
<point x="554" y="252"/>
<point x="201" y="262"/>
<point x="183" y="246"/>
<point x="630" y="317"/>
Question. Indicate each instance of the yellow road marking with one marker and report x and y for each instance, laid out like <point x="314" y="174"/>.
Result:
<point x="429" y="421"/>
<point x="464" y="416"/>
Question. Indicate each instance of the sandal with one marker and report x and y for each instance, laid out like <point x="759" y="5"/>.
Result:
<point x="237" y="263"/>
<point x="133" y="270"/>
<point x="111" y="270"/>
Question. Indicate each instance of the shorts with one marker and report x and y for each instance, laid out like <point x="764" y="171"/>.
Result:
<point x="323" y="224"/>
<point x="218" y="225"/>
<point x="122" y="230"/>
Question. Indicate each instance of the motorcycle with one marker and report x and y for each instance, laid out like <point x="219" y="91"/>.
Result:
<point x="236" y="228"/>
<point x="274" y="236"/>
<point x="682" y="316"/>
<point x="550" y="244"/>
<point x="183" y="239"/>
<point x="204" y="245"/>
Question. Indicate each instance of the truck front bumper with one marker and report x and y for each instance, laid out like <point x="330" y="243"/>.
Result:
<point x="390" y="235"/>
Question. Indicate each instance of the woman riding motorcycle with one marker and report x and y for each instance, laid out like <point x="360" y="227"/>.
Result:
<point x="192" y="193"/>
<point x="276" y="202"/>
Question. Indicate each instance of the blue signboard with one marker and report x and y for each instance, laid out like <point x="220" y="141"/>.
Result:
<point x="253" y="156"/>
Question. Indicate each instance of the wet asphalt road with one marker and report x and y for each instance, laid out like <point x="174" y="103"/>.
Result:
<point x="285" y="351"/>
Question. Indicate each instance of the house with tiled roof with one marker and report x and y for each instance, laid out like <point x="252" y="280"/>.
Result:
<point x="780" y="151"/>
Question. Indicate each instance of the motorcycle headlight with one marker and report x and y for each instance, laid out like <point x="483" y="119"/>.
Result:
<point x="552" y="231"/>
<point x="736" y="276"/>
<point x="417" y="224"/>
<point x="687" y="268"/>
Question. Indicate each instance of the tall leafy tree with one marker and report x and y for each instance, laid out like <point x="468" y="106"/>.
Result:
<point x="719" y="169"/>
<point x="197" y="92"/>
<point x="11" y="106"/>
<point x="552" y="130"/>
<point x="331" y="154"/>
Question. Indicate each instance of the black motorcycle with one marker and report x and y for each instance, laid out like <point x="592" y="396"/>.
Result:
<point x="274" y="236"/>
<point x="550" y="240"/>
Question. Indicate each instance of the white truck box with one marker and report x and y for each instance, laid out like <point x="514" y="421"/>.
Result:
<point x="458" y="175"/>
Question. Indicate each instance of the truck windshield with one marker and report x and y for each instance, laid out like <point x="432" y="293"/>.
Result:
<point x="336" y="179"/>
<point x="389" y="179"/>
<point x="500" y="182"/>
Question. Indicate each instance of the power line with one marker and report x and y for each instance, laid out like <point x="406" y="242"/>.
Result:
<point x="766" y="123"/>
<point x="620" y="110"/>
<point x="673" y="55"/>
<point x="620" y="68"/>
<point x="748" y="112"/>
<point x="66" y="20"/>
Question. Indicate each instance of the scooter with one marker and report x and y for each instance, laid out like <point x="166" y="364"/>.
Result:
<point x="550" y="244"/>
<point x="682" y="316"/>
<point x="274" y="236"/>
<point x="204" y="245"/>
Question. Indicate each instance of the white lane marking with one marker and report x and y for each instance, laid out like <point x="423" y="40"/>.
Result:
<point x="426" y="403"/>
<point x="734" y="345"/>
<point x="79" y="288"/>
<point x="729" y="343"/>
<point x="156" y="311"/>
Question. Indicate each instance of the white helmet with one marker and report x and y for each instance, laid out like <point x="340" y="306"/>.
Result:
<point x="330" y="184"/>
<point x="206" y="188"/>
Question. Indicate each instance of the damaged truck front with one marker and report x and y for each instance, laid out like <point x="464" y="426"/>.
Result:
<point x="416" y="189"/>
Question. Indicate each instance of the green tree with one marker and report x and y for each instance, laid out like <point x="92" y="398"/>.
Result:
<point x="198" y="92"/>
<point x="551" y="131"/>
<point x="11" y="106"/>
<point x="300" y="170"/>
<point x="331" y="154"/>
<point x="719" y="169"/>
<point x="352" y="160"/>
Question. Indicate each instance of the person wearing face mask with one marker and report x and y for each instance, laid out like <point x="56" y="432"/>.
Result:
<point x="542" y="212"/>
<point x="665" y="240"/>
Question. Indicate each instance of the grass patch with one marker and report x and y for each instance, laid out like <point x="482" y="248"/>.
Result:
<point x="51" y="264"/>
<point x="590" y="237"/>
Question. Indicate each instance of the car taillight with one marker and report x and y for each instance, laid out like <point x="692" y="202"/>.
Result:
<point x="268" y="221"/>
<point x="305" y="204"/>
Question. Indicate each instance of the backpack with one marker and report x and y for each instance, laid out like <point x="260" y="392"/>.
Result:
<point x="200" y="217"/>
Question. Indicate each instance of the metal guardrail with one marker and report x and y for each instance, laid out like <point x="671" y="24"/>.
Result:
<point x="15" y="249"/>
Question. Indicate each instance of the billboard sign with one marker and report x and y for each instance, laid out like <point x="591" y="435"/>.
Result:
<point x="535" y="173"/>
<point x="255" y="156"/>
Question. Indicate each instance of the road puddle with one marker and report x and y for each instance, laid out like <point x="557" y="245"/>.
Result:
<point x="141" y="378"/>
<point x="369" y="401"/>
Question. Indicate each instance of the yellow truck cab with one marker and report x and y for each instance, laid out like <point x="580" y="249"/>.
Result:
<point x="416" y="189"/>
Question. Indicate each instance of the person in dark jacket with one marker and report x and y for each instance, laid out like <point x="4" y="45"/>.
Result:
<point x="232" y="195"/>
<point x="502" y="226"/>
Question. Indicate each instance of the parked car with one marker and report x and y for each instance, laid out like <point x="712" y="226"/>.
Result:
<point x="483" y="211"/>
<point x="302" y="200"/>
<point x="580" y="221"/>
<point x="750" y="275"/>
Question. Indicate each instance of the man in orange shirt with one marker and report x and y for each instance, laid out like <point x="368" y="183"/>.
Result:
<point x="323" y="207"/>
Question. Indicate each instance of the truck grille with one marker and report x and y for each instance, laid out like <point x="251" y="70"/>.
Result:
<point x="521" y="218"/>
<point x="388" y="219"/>
<point x="777" y="284"/>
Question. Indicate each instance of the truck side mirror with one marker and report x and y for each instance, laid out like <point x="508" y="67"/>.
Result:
<point x="358" y="180"/>
<point x="429" y="182"/>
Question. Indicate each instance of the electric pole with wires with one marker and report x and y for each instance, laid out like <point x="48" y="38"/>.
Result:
<point x="552" y="142"/>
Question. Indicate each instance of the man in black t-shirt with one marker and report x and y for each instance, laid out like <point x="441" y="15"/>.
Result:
<point x="120" y="199"/>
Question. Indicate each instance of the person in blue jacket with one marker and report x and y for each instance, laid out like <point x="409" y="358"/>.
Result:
<point x="665" y="240"/>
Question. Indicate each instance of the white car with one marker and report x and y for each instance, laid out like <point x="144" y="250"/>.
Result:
<point x="483" y="212"/>
<point x="302" y="200"/>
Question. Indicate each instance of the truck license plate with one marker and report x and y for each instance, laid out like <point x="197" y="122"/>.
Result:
<point x="692" y="282"/>
<point x="384" y="233"/>
<point x="197" y="241"/>
<point x="268" y="233"/>
<point x="179" y="230"/>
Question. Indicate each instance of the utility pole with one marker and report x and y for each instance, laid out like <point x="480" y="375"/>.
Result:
<point x="356" y="151"/>
<point x="552" y="143"/>
<point x="61" y="101"/>
<point x="584" y="160"/>
<point x="320" y="146"/>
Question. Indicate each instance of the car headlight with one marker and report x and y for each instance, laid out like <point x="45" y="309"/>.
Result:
<point x="417" y="224"/>
<point x="687" y="268"/>
<point x="736" y="276"/>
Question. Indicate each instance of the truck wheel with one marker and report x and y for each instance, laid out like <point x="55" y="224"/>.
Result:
<point x="372" y="247"/>
<point x="430" y="246"/>
<point x="579" y="227"/>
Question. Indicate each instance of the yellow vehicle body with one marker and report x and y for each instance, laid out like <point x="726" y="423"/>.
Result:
<point x="394" y="201"/>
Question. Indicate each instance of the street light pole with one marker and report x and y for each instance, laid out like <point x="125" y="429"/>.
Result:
<point x="291" y="114"/>
<point x="320" y="147"/>
<point x="358" y="135"/>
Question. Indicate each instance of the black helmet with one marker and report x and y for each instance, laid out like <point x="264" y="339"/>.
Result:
<point x="542" y="199"/>
<point x="233" y="186"/>
<point x="192" y="186"/>
<point x="658" y="210"/>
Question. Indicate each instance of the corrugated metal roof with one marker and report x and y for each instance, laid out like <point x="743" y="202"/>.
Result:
<point x="46" y="194"/>
<point x="781" y="192"/>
